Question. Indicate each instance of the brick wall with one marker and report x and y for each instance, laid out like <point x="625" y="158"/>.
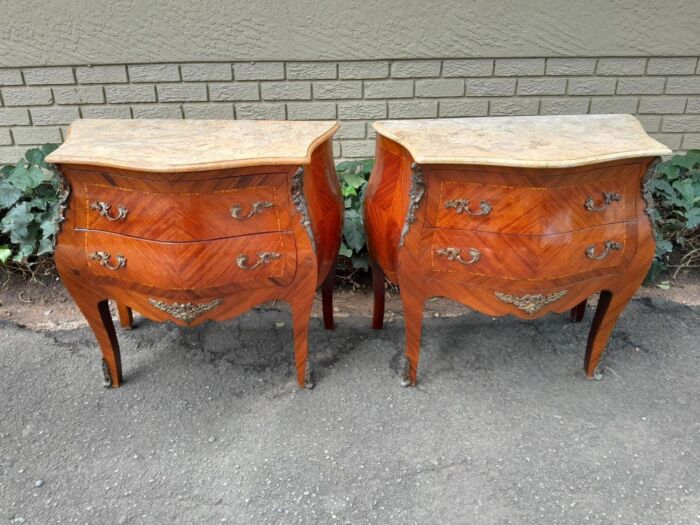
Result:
<point x="37" y="104"/>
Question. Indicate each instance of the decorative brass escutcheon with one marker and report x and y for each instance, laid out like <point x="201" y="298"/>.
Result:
<point x="531" y="303"/>
<point x="255" y="208"/>
<point x="185" y="312"/>
<point x="608" y="198"/>
<point x="454" y="254"/>
<point x="609" y="245"/>
<point x="103" y="259"/>
<point x="263" y="258"/>
<point x="462" y="206"/>
<point x="104" y="209"/>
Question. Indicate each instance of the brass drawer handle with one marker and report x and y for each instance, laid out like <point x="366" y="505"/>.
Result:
<point x="103" y="259"/>
<point x="462" y="206"/>
<point x="105" y="207"/>
<point x="263" y="258"/>
<point x="609" y="245"/>
<point x="608" y="198"/>
<point x="257" y="207"/>
<point x="454" y="254"/>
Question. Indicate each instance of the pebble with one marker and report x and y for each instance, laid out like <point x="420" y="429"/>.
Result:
<point x="211" y="439"/>
<point x="39" y="483"/>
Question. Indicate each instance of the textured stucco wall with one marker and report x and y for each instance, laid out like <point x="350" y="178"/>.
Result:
<point x="62" y="32"/>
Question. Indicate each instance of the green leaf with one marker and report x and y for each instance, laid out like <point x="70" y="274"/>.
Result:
<point x="669" y="170"/>
<point x="687" y="191"/>
<point x="25" y="178"/>
<point x="6" y="170"/>
<point x="5" y="253"/>
<point x="16" y="222"/>
<point x="45" y="246"/>
<point x="9" y="195"/>
<point x="663" y="246"/>
<point x="353" y="230"/>
<point x="25" y="250"/>
<point x="353" y="180"/>
<point x="360" y="261"/>
<point x="344" y="250"/>
<point x="35" y="156"/>
<point x="345" y="165"/>
<point x="48" y="148"/>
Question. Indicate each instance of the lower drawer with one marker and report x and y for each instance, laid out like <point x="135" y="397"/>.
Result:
<point x="454" y="254"/>
<point x="265" y="259"/>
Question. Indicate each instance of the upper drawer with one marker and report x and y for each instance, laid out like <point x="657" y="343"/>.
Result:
<point x="521" y="208"/>
<point x="255" y="261"/>
<point x="455" y="255"/>
<point x="234" y="207"/>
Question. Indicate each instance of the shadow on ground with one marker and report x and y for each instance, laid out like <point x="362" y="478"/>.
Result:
<point x="209" y="426"/>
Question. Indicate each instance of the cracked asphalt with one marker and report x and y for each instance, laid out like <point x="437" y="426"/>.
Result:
<point x="209" y="426"/>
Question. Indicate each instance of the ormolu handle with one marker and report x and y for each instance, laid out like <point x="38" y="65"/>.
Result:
<point x="257" y="207"/>
<point x="263" y="258"/>
<point x="462" y="206"/>
<point x="454" y="254"/>
<point x="104" y="207"/>
<point x="608" y="198"/>
<point x="609" y="245"/>
<point x="103" y="259"/>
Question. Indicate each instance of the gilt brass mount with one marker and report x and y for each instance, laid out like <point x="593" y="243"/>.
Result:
<point x="531" y="303"/>
<point x="455" y="254"/>
<point x="609" y="245"/>
<point x="104" y="209"/>
<point x="104" y="257"/>
<point x="263" y="258"/>
<point x="255" y="208"/>
<point x="462" y="206"/>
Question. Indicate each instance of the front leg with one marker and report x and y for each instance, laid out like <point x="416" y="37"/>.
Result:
<point x="379" y="295"/>
<point x="413" y="320"/>
<point x="95" y="308"/>
<point x="610" y="306"/>
<point x="301" y="314"/>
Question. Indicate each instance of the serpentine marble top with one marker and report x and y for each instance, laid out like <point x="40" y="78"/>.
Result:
<point x="560" y="141"/>
<point x="190" y="145"/>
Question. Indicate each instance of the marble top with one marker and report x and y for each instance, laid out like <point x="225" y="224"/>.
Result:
<point x="534" y="142"/>
<point x="190" y="145"/>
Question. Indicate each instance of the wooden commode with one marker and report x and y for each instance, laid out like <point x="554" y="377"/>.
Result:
<point x="511" y="215"/>
<point x="187" y="221"/>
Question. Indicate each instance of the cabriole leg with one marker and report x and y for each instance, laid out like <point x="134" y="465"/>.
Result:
<point x="301" y="313"/>
<point x="327" y="299"/>
<point x="96" y="312"/>
<point x="577" y="313"/>
<point x="379" y="295"/>
<point x="610" y="306"/>
<point x="413" y="319"/>
<point x="126" y="316"/>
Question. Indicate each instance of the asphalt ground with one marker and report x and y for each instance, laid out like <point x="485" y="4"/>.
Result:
<point x="209" y="426"/>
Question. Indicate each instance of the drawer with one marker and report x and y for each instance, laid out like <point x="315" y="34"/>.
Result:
<point x="185" y="215"/>
<point x="528" y="210"/>
<point x="453" y="254"/>
<point x="268" y="259"/>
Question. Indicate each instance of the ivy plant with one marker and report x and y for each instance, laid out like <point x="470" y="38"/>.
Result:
<point x="353" y="181"/>
<point x="29" y="206"/>
<point x="676" y="217"/>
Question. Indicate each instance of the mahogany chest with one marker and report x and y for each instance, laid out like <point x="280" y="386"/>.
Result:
<point x="514" y="215"/>
<point x="187" y="221"/>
